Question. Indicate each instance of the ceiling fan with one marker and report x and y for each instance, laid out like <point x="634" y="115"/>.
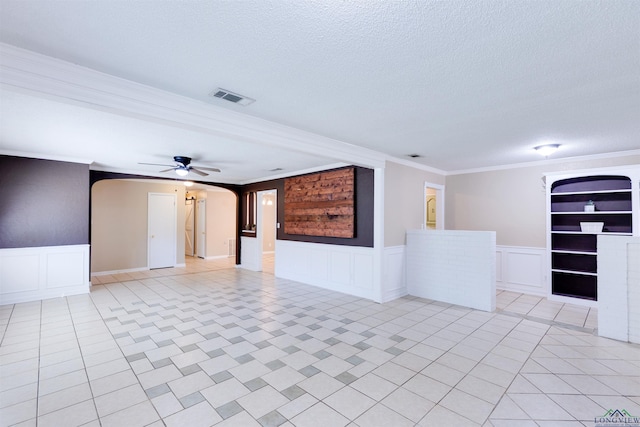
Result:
<point x="183" y="167"/>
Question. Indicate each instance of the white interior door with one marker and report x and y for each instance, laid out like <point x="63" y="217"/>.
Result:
<point x="162" y="216"/>
<point x="189" y="228"/>
<point x="201" y="228"/>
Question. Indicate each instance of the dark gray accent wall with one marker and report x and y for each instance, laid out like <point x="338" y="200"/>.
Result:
<point x="364" y="198"/>
<point x="43" y="203"/>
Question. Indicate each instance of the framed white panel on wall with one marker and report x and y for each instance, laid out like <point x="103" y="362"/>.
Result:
<point x="394" y="283"/>
<point x="340" y="267"/>
<point x="30" y="274"/>
<point x="64" y="269"/>
<point x="363" y="271"/>
<point x="318" y="264"/>
<point x="521" y="269"/>
<point x="19" y="272"/>
<point x="347" y="269"/>
<point x="250" y="255"/>
<point x="525" y="268"/>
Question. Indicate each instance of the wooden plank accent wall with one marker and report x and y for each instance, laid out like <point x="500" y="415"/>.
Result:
<point x="320" y="204"/>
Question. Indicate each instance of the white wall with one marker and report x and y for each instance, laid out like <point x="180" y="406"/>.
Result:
<point x="250" y="254"/>
<point x="619" y="287"/>
<point x="30" y="274"/>
<point x="521" y="269"/>
<point x="456" y="267"/>
<point x="633" y="288"/>
<point x="347" y="269"/>
<point x="394" y="278"/>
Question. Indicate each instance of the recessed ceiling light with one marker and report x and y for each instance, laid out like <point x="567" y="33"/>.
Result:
<point x="414" y="156"/>
<point x="275" y="170"/>
<point x="188" y="184"/>
<point x="547" y="149"/>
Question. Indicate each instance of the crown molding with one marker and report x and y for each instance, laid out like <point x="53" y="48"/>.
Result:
<point x="41" y="156"/>
<point x="296" y="173"/>
<point x="40" y="75"/>
<point x="621" y="169"/>
<point x="416" y="165"/>
<point x="547" y="162"/>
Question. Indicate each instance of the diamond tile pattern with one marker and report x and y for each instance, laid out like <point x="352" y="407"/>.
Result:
<point x="213" y="345"/>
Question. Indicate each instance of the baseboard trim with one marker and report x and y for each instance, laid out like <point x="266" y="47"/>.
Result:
<point x="209" y="258"/>
<point x="126" y="270"/>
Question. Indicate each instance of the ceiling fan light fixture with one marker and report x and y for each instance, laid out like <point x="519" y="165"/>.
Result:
<point x="547" y="149"/>
<point x="182" y="171"/>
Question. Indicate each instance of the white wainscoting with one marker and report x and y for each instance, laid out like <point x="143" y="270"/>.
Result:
<point x="30" y="274"/>
<point x="518" y="269"/>
<point x="346" y="269"/>
<point x="521" y="269"/>
<point x="453" y="266"/>
<point x="250" y="254"/>
<point x="394" y="281"/>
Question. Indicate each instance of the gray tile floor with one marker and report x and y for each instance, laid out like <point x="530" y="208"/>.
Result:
<point x="210" y="345"/>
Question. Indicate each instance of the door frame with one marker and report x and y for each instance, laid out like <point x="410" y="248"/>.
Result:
<point x="439" y="205"/>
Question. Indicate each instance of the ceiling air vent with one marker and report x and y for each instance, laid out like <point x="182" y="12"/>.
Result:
<point x="232" y="97"/>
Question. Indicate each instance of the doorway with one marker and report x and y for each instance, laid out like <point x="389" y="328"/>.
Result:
<point x="189" y="227"/>
<point x="433" y="206"/>
<point x="267" y="208"/>
<point x="120" y="229"/>
<point x="162" y="214"/>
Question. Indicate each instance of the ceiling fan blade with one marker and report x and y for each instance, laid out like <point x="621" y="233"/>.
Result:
<point x="155" y="164"/>
<point x="167" y="170"/>
<point x="199" y="172"/>
<point x="204" y="168"/>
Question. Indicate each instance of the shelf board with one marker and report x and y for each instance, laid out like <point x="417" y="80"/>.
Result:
<point x="581" y="273"/>
<point x="567" y="251"/>
<point x="573" y="193"/>
<point x="608" y="233"/>
<point x="590" y="213"/>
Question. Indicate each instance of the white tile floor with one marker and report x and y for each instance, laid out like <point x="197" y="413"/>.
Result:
<point x="211" y="345"/>
<point x="542" y="310"/>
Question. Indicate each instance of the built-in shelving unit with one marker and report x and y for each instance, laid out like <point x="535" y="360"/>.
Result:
<point x="607" y="199"/>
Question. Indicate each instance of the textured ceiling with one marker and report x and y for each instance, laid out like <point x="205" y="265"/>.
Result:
<point x="465" y="84"/>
